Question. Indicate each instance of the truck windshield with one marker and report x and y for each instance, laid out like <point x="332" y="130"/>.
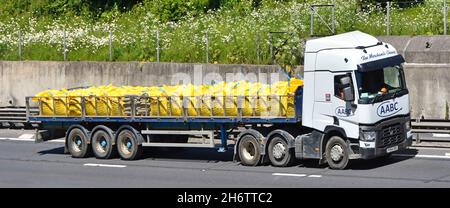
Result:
<point x="382" y="83"/>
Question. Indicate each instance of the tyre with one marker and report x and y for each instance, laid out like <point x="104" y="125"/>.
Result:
<point x="102" y="145"/>
<point x="78" y="143"/>
<point x="128" y="145"/>
<point x="337" y="154"/>
<point x="280" y="154"/>
<point x="249" y="151"/>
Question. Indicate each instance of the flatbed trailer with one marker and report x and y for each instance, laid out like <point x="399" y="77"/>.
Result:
<point x="144" y="124"/>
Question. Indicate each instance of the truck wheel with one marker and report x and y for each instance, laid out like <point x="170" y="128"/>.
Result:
<point x="279" y="153"/>
<point x="128" y="145"/>
<point x="102" y="145"/>
<point x="77" y="143"/>
<point x="337" y="153"/>
<point x="249" y="151"/>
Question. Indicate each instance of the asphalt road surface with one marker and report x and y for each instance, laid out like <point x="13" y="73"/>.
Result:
<point x="26" y="164"/>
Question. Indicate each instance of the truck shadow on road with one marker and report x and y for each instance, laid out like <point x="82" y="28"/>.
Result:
<point x="212" y="155"/>
<point x="360" y="164"/>
<point x="54" y="151"/>
<point x="181" y="153"/>
<point x="170" y="153"/>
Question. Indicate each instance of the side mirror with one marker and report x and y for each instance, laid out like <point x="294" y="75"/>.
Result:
<point x="348" y="94"/>
<point x="345" y="80"/>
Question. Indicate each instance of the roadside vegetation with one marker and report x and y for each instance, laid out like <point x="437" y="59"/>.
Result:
<point x="232" y="27"/>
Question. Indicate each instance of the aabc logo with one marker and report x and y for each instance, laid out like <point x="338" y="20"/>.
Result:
<point x="341" y="111"/>
<point x="388" y="108"/>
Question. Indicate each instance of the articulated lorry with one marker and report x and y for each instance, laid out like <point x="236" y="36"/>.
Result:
<point x="353" y="104"/>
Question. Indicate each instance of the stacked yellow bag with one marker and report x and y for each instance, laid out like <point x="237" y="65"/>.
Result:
<point x="53" y="102"/>
<point x="220" y="99"/>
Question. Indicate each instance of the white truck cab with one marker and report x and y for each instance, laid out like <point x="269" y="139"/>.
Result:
<point x="366" y="107"/>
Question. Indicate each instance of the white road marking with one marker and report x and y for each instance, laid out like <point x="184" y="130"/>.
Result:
<point x="429" y="148"/>
<point x="289" y="174"/>
<point x="104" y="165"/>
<point x="57" y="140"/>
<point x="17" y="139"/>
<point x="29" y="140"/>
<point x="440" y="135"/>
<point x="296" y="175"/>
<point x="423" y="156"/>
<point x="26" y="136"/>
<point x="447" y="154"/>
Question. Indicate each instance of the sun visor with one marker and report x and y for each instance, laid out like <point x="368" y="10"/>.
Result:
<point x="379" y="64"/>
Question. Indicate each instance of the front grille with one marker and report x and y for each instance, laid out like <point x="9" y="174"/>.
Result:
<point x="390" y="135"/>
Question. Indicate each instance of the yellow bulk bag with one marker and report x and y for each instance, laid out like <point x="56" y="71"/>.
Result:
<point x="191" y="93"/>
<point x="74" y="97"/>
<point x="279" y="99"/>
<point x="217" y="93"/>
<point x="294" y="83"/>
<point x="97" y="103"/>
<point x="175" y="103"/>
<point x="214" y="98"/>
<point x="263" y="101"/>
<point x="53" y="102"/>
<point x="116" y="99"/>
<point x="242" y="98"/>
<point x="158" y="103"/>
<point x="229" y="97"/>
<point x="251" y="101"/>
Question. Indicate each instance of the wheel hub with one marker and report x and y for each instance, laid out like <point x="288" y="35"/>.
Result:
<point x="279" y="150"/>
<point x="249" y="151"/>
<point x="78" y="142"/>
<point x="337" y="153"/>
<point x="103" y="143"/>
<point x="129" y="144"/>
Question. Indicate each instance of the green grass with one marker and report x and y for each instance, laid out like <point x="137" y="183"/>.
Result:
<point x="232" y="30"/>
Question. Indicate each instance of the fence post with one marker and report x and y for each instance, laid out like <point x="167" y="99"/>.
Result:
<point x="312" y="21"/>
<point x="445" y="17"/>
<point x="65" y="46"/>
<point x="271" y="47"/>
<point x="20" y="45"/>
<point x="157" y="45"/>
<point x="388" y="18"/>
<point x="333" y="25"/>
<point x="110" y="45"/>
<point x="207" y="48"/>
<point x="259" y="48"/>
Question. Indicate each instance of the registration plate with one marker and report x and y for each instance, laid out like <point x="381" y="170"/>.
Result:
<point x="391" y="149"/>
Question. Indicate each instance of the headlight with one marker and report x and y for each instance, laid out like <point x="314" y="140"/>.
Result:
<point x="368" y="135"/>
<point x="408" y="126"/>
